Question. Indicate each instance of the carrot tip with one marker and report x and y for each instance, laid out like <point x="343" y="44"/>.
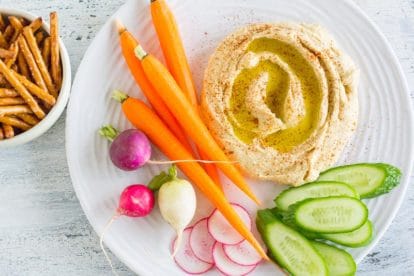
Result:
<point x="119" y="26"/>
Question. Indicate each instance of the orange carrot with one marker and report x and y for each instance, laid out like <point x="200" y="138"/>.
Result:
<point x="174" y="53"/>
<point x="172" y="47"/>
<point x="128" y="44"/>
<point x="143" y="118"/>
<point x="188" y="117"/>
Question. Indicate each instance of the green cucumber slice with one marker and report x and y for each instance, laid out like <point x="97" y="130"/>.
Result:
<point x="338" y="261"/>
<point x="368" y="179"/>
<point x="313" y="190"/>
<point x="357" y="238"/>
<point x="336" y="214"/>
<point x="288" y="248"/>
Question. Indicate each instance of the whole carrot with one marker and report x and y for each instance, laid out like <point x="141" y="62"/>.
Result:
<point x="188" y="117"/>
<point x="128" y="44"/>
<point x="172" y="47"/>
<point x="174" y="54"/>
<point x="143" y="118"/>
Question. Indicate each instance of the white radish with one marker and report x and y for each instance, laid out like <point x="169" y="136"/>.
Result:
<point x="226" y="266"/>
<point x="202" y="242"/>
<point x="222" y="231"/>
<point x="177" y="203"/>
<point x="185" y="257"/>
<point x="242" y="253"/>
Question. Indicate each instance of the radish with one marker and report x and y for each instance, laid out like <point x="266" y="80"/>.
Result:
<point x="226" y="266"/>
<point x="222" y="231"/>
<point x="202" y="242"/>
<point x="242" y="253"/>
<point x="135" y="201"/>
<point x="131" y="149"/>
<point x="185" y="257"/>
<point x="177" y="202"/>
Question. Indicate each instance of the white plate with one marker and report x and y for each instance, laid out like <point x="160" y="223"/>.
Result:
<point x="384" y="133"/>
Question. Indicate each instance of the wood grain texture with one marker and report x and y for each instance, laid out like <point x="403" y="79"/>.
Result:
<point x="43" y="230"/>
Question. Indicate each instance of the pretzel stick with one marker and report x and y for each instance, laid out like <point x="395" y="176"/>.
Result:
<point x="36" y="24"/>
<point x="14" y="122"/>
<point x="11" y="101"/>
<point x="8" y="131"/>
<point x="3" y="41"/>
<point x="14" y="109"/>
<point x="7" y="92"/>
<point x="34" y="70"/>
<point x="31" y="41"/>
<point x="22" y="65"/>
<point x="39" y="37"/>
<point x="8" y="32"/>
<point x="17" y="25"/>
<point x="28" y="118"/>
<point x="54" y="51"/>
<point x="11" y="78"/>
<point x="35" y="90"/>
<point x="4" y="53"/>
<point x="2" y="23"/>
<point x="15" y="50"/>
<point x="46" y="52"/>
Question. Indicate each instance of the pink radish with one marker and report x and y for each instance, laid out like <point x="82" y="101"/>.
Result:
<point x="202" y="242"/>
<point x="242" y="253"/>
<point x="185" y="257"/>
<point x="222" y="231"/>
<point x="135" y="201"/>
<point x="226" y="266"/>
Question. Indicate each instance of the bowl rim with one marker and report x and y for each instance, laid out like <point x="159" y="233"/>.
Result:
<point x="50" y="119"/>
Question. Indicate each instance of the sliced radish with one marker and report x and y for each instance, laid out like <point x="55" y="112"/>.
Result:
<point x="222" y="231"/>
<point x="226" y="266"/>
<point x="201" y="242"/>
<point x="186" y="259"/>
<point x="242" y="253"/>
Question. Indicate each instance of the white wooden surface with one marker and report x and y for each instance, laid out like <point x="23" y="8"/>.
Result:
<point x="43" y="230"/>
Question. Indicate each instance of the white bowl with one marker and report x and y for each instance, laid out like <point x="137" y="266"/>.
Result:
<point x="62" y="99"/>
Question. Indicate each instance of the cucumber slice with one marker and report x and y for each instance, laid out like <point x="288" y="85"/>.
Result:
<point x="313" y="190"/>
<point x="368" y="179"/>
<point x="357" y="238"/>
<point x="336" y="214"/>
<point x="338" y="261"/>
<point x="288" y="248"/>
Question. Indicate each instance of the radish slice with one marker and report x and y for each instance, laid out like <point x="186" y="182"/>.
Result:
<point x="222" y="231"/>
<point x="201" y="242"/>
<point x="186" y="259"/>
<point x="226" y="266"/>
<point x="242" y="253"/>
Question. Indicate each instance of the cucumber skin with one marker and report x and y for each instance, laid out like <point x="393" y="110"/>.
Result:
<point x="282" y="215"/>
<point x="267" y="216"/>
<point x="352" y="245"/>
<point x="290" y="217"/>
<point x="276" y="200"/>
<point x="319" y="247"/>
<point x="392" y="178"/>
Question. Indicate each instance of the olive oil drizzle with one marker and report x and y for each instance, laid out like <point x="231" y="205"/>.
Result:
<point x="245" y="125"/>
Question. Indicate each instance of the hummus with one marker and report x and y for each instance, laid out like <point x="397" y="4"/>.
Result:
<point x="281" y="99"/>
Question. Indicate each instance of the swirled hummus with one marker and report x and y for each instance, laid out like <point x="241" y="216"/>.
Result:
<point x="281" y="99"/>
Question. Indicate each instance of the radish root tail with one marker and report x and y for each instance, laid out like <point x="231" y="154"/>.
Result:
<point x="156" y="162"/>
<point x="101" y="238"/>
<point x="177" y="243"/>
